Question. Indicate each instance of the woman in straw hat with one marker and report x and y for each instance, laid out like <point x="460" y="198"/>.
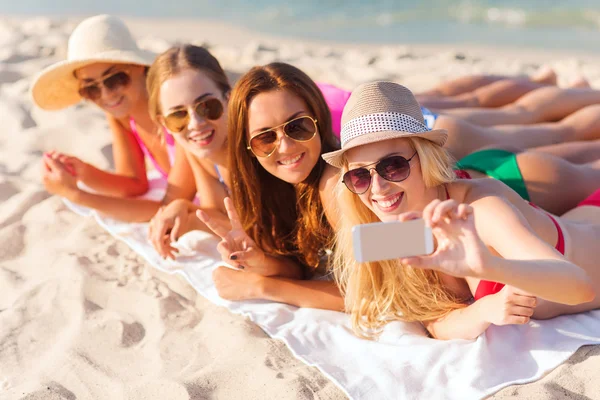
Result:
<point x="105" y="67"/>
<point x="537" y="174"/>
<point x="511" y="263"/>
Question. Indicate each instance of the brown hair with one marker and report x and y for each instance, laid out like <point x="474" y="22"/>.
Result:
<point x="175" y="60"/>
<point x="282" y="218"/>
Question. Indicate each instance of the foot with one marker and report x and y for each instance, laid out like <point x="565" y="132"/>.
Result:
<point x="580" y="82"/>
<point x="545" y="75"/>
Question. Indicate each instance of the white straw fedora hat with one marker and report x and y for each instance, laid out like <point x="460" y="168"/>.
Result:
<point x="379" y="111"/>
<point x="102" y="38"/>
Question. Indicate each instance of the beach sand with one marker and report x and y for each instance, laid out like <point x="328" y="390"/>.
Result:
<point x="83" y="317"/>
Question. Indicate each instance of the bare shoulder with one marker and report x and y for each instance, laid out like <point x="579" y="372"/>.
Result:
<point x="327" y="189"/>
<point x="482" y="191"/>
<point x="329" y="179"/>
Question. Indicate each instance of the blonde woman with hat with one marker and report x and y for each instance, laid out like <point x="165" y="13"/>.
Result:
<point x="498" y="259"/>
<point x="105" y="67"/>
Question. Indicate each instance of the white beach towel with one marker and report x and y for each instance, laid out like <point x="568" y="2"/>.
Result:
<point x="404" y="363"/>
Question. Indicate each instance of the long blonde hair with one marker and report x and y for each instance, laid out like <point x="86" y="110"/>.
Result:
<point x="377" y="292"/>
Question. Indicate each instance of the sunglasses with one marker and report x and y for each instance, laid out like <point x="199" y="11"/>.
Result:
<point x="393" y="169"/>
<point x="300" y="129"/>
<point x="210" y="109"/>
<point x="94" y="91"/>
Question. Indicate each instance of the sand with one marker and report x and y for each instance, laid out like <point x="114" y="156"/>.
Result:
<point x="83" y="317"/>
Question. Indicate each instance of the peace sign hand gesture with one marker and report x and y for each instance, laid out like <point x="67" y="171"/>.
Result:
<point x="236" y="247"/>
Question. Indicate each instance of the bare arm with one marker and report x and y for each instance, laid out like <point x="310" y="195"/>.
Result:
<point x="327" y="190"/>
<point x="129" y="178"/>
<point x="525" y="261"/>
<point x="531" y="267"/>
<point x="180" y="183"/>
<point x="465" y="323"/>
<point x="242" y="285"/>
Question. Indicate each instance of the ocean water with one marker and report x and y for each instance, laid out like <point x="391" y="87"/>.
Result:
<point x="540" y="24"/>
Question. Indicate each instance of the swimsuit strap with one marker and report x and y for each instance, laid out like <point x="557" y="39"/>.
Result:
<point x="144" y="148"/>
<point x="221" y="179"/>
<point x="462" y="174"/>
<point x="560" y="242"/>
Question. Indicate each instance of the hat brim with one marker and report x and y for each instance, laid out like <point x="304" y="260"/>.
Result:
<point x="56" y="86"/>
<point x="336" y="158"/>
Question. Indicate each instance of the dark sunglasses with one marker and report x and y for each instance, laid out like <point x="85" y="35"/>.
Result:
<point x="94" y="91"/>
<point x="211" y="109"/>
<point x="393" y="169"/>
<point x="300" y="129"/>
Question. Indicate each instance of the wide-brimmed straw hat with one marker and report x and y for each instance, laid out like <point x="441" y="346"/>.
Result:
<point x="379" y="111"/>
<point x="102" y="38"/>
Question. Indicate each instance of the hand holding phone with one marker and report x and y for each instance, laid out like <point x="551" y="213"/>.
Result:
<point x="391" y="240"/>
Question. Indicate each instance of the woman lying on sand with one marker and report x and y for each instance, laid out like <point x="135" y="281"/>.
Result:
<point x="498" y="259"/>
<point x="279" y="126"/>
<point x="496" y="152"/>
<point x="189" y="95"/>
<point x="106" y="68"/>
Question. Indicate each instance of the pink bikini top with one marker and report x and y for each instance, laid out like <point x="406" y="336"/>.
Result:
<point x="170" y="147"/>
<point x="336" y="99"/>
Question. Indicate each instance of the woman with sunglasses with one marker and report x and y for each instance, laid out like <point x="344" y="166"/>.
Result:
<point x="188" y="97"/>
<point x="536" y="174"/>
<point x="106" y="68"/>
<point x="281" y="211"/>
<point x="511" y="263"/>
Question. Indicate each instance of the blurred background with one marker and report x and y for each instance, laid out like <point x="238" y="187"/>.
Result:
<point x="542" y="24"/>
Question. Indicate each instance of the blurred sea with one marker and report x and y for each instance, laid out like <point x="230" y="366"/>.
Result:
<point x="541" y="24"/>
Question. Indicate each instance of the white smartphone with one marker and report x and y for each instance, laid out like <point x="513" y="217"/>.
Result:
<point x="391" y="240"/>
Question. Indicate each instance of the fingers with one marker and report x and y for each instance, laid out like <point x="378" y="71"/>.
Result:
<point x="438" y="211"/>
<point x="516" y="320"/>
<point x="522" y="311"/>
<point x="463" y="211"/>
<point x="519" y="297"/>
<point x="53" y="165"/>
<point x="226" y="254"/>
<point x="443" y="211"/>
<point x="175" y="230"/>
<point x="408" y="216"/>
<point x="428" y="211"/>
<point x="212" y="224"/>
<point x="425" y="262"/>
<point x="232" y="214"/>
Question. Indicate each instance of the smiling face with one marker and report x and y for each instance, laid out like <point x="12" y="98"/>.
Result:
<point x="180" y="94"/>
<point x="117" y="99"/>
<point x="292" y="161"/>
<point x="385" y="198"/>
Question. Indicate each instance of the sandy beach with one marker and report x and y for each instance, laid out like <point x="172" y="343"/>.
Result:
<point x="82" y="316"/>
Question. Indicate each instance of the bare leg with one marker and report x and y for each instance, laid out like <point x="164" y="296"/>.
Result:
<point x="469" y="83"/>
<point x="546" y="104"/>
<point x="574" y="152"/>
<point x="465" y="138"/>
<point x="557" y="185"/>
<point x="496" y="94"/>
